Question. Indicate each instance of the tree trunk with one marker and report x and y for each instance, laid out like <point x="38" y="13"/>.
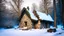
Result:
<point x="63" y="12"/>
<point x="54" y="6"/>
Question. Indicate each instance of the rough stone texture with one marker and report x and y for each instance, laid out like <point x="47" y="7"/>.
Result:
<point x="37" y="26"/>
<point x="24" y="19"/>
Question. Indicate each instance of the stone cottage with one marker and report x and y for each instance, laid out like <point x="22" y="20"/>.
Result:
<point x="29" y="20"/>
<point x="25" y="20"/>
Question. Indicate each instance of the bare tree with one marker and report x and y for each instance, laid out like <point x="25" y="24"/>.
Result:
<point x="45" y="6"/>
<point x="41" y="7"/>
<point x="15" y="12"/>
<point x="15" y="5"/>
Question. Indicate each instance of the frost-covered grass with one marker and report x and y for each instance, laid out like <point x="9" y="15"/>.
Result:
<point x="32" y="32"/>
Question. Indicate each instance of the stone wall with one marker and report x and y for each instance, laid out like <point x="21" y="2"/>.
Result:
<point x="24" y="19"/>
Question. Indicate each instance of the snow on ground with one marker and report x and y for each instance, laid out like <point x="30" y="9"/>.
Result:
<point x="32" y="32"/>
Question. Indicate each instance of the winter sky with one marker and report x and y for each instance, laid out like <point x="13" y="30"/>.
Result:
<point x="29" y="3"/>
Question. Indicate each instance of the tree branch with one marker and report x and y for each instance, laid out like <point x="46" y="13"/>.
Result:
<point x="13" y="7"/>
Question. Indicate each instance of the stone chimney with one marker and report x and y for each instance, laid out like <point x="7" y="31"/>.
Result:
<point x="37" y="26"/>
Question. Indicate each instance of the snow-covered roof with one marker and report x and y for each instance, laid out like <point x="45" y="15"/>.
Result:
<point x="50" y="18"/>
<point x="42" y="16"/>
<point x="32" y="15"/>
